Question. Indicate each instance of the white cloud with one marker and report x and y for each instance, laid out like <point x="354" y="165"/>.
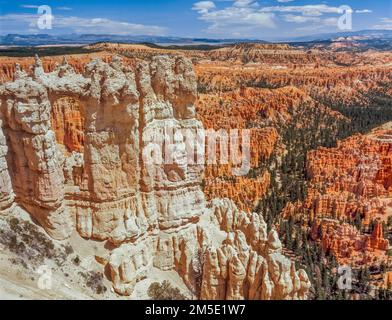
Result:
<point x="312" y="21"/>
<point x="203" y="6"/>
<point x="385" y="24"/>
<point x="306" y="10"/>
<point x="64" y="8"/>
<point x="248" y="17"/>
<point x="241" y="18"/>
<point x="29" y="6"/>
<point x="299" y="19"/>
<point x="330" y="22"/>
<point x="363" y="11"/>
<point x="27" y="23"/>
<point x="244" y="3"/>
<point x="33" y="6"/>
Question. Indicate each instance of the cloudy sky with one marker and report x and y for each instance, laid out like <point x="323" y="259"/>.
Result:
<point x="264" y="19"/>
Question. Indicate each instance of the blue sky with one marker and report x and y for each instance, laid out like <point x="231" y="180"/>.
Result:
<point x="264" y="19"/>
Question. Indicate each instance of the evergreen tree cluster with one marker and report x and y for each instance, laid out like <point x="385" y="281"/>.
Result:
<point x="289" y="183"/>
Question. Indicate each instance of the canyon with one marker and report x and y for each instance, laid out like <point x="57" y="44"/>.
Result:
<point x="74" y="130"/>
<point x="72" y="147"/>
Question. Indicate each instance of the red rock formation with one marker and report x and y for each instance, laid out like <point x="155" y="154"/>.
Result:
<point x="388" y="280"/>
<point x="348" y="245"/>
<point x="235" y="113"/>
<point x="245" y="192"/>
<point x="349" y="182"/>
<point x="360" y="165"/>
<point x="353" y="178"/>
<point x="377" y="240"/>
<point x="77" y="61"/>
<point x="349" y="85"/>
<point x="251" y="108"/>
<point x="68" y="124"/>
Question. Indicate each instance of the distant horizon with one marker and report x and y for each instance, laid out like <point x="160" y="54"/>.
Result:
<point x="267" y="20"/>
<point x="312" y="37"/>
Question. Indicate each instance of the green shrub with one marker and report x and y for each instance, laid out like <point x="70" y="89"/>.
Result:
<point x="164" y="291"/>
